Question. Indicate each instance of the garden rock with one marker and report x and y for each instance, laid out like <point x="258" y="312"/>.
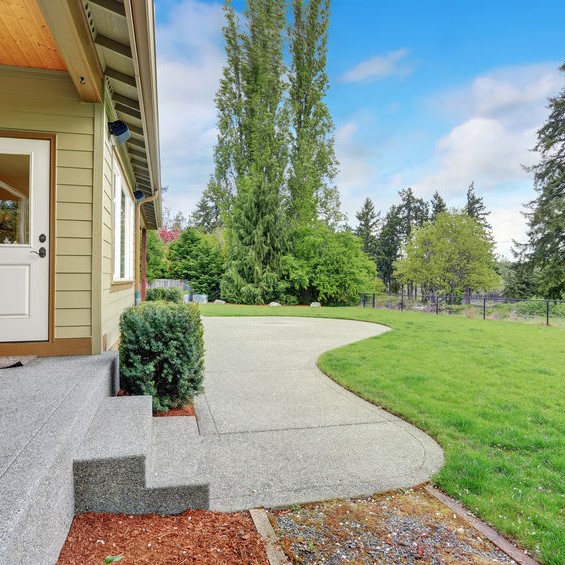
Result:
<point x="218" y="301"/>
<point x="274" y="304"/>
<point x="315" y="305"/>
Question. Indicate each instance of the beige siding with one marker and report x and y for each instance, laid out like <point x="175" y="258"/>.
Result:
<point x="47" y="102"/>
<point x="114" y="302"/>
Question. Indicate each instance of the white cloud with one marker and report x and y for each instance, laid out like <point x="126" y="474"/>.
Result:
<point x="379" y="67"/>
<point x="502" y="111"/>
<point x="190" y="58"/>
<point x="499" y="114"/>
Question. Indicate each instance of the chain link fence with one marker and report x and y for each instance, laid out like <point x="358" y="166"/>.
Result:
<point x="487" y="307"/>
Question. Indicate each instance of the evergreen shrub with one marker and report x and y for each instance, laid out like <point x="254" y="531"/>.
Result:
<point x="162" y="352"/>
<point x="168" y="294"/>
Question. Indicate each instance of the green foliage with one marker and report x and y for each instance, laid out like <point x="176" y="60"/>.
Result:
<point x="475" y="208"/>
<point x="367" y="230"/>
<point x="329" y="266"/>
<point x="9" y="215"/>
<point x="198" y="258"/>
<point x="252" y="152"/>
<point x="389" y="245"/>
<point x="520" y="278"/>
<point x="166" y="294"/>
<point x="313" y="165"/>
<point x="451" y="255"/>
<point x="538" y="308"/>
<point x="207" y="214"/>
<point x="156" y="266"/>
<point x="162" y="352"/>
<point x="113" y="558"/>
<point x="546" y="213"/>
<point x="437" y="206"/>
<point x="413" y="213"/>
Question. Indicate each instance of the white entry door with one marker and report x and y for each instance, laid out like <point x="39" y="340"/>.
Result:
<point x="24" y="239"/>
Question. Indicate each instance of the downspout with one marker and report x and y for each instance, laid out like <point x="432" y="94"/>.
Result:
<point x="137" y="242"/>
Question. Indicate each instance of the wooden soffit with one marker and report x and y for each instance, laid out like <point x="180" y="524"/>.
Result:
<point x="25" y="37"/>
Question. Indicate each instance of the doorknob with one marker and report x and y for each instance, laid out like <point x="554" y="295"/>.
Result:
<point x="42" y="252"/>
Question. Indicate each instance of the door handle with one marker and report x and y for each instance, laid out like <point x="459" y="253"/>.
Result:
<point x="42" y="252"/>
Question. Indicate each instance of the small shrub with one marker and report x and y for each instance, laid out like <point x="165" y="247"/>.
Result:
<point x="162" y="353"/>
<point x="168" y="294"/>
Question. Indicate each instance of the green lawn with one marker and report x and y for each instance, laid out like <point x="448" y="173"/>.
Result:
<point x="491" y="393"/>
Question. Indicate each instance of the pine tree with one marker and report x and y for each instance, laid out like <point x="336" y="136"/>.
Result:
<point x="257" y="226"/>
<point x="546" y="213"/>
<point x="475" y="208"/>
<point x="367" y="230"/>
<point x="313" y="195"/>
<point x="437" y="206"/>
<point x="413" y="212"/>
<point x="389" y="245"/>
<point x="206" y="216"/>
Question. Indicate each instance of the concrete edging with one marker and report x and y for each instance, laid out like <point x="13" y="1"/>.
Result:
<point x="492" y="535"/>
<point x="275" y="554"/>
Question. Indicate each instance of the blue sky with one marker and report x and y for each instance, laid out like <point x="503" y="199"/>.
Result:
<point x="431" y="95"/>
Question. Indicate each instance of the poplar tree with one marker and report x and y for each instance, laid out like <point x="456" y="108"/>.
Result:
<point x="313" y="165"/>
<point x="229" y="151"/>
<point x="257" y="139"/>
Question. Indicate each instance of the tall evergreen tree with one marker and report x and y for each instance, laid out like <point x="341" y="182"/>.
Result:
<point x="389" y="245"/>
<point x="206" y="216"/>
<point x="367" y="230"/>
<point x="413" y="212"/>
<point x="475" y="208"/>
<point x="546" y="213"/>
<point x="257" y="226"/>
<point x="437" y="206"/>
<point x="313" y="165"/>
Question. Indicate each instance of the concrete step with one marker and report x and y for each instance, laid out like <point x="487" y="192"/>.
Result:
<point x="133" y="463"/>
<point x="36" y="483"/>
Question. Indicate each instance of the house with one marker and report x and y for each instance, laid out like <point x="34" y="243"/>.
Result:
<point x="70" y="188"/>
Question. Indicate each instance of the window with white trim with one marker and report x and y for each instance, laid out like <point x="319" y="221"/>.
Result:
<point x="123" y="229"/>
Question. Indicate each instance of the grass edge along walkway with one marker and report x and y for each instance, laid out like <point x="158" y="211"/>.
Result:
<point x="491" y="393"/>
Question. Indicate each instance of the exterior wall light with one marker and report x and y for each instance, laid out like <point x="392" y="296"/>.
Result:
<point x="119" y="130"/>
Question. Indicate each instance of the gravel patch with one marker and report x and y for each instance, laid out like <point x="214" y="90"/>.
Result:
<point x="398" y="527"/>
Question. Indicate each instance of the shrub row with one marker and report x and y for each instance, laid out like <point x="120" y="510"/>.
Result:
<point x="168" y="294"/>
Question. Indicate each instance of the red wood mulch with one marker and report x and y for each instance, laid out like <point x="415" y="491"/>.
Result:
<point x="195" y="537"/>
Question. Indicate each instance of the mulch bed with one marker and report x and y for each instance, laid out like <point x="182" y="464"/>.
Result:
<point x="392" y="528"/>
<point x="187" y="410"/>
<point x="195" y="537"/>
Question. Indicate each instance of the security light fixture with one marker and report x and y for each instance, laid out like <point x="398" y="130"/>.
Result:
<point x="119" y="130"/>
<point x="139" y="195"/>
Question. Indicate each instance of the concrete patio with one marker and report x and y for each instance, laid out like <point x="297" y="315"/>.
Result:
<point x="271" y="430"/>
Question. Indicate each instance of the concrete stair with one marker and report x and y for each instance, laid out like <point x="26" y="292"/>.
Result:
<point x="46" y="409"/>
<point x="132" y="463"/>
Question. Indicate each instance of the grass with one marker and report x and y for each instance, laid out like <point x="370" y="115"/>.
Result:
<point x="491" y="393"/>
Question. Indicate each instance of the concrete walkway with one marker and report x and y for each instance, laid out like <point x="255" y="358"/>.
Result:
<point x="276" y="431"/>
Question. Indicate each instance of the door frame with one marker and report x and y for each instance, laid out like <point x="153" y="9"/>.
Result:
<point x="40" y="347"/>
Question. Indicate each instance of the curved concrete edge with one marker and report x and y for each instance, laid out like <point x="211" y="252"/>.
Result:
<point x="278" y="431"/>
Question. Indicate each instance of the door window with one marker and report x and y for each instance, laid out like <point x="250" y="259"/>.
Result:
<point x="14" y="199"/>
